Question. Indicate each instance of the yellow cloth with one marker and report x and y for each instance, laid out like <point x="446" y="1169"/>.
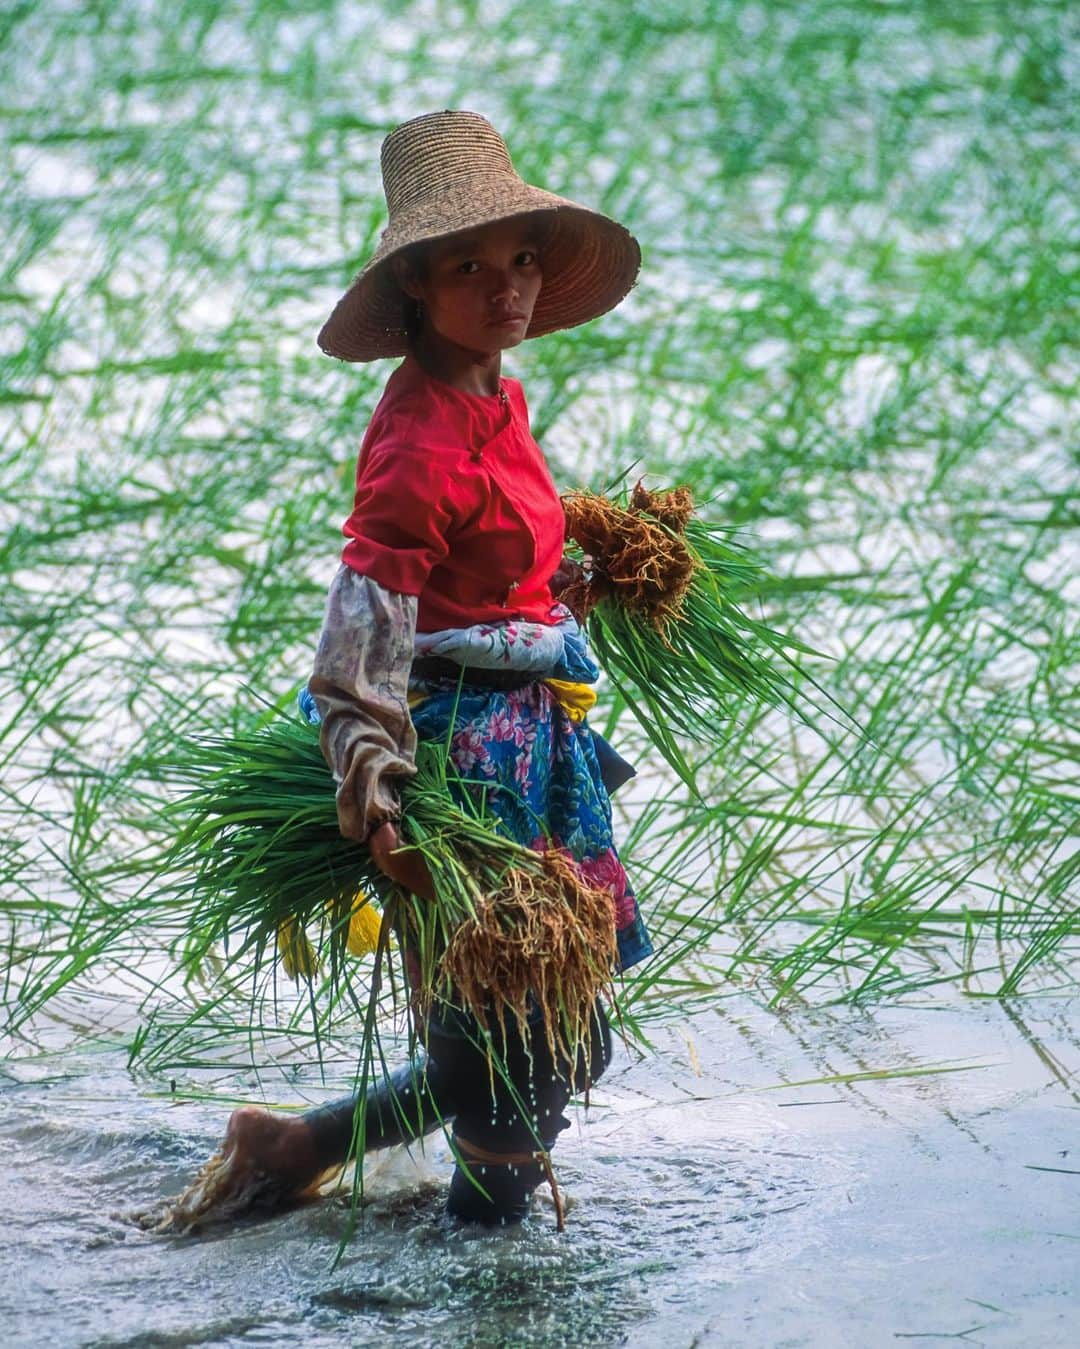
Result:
<point x="298" y="957"/>
<point x="574" y="699"/>
<point x="365" y="924"/>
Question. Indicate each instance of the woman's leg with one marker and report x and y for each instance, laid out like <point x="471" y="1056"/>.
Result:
<point x="294" y="1151"/>
<point x="413" y="1101"/>
<point x="521" y="1116"/>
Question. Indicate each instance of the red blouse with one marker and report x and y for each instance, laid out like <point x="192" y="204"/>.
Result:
<point x="455" y="504"/>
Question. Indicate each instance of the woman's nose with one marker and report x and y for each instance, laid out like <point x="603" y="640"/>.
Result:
<point x="503" y="287"/>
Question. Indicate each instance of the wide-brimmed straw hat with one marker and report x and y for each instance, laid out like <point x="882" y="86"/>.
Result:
<point x="450" y="171"/>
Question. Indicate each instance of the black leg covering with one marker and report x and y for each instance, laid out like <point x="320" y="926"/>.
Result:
<point x="411" y="1102"/>
<point x="523" y="1114"/>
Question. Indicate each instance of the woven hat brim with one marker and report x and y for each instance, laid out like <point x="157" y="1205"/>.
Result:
<point x="589" y="263"/>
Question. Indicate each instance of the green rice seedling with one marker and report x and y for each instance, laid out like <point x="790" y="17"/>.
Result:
<point x="261" y="868"/>
<point x="852" y="337"/>
<point x="662" y="600"/>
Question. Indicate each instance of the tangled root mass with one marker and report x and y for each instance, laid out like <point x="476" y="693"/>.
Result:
<point x="641" y="559"/>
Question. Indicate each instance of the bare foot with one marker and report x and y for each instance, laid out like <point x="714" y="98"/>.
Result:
<point x="279" y="1147"/>
<point x="264" y="1161"/>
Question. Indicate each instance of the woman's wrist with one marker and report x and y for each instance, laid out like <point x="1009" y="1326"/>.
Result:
<point x="405" y="867"/>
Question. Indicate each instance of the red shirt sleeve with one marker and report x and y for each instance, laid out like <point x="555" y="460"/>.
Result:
<point x="402" y="514"/>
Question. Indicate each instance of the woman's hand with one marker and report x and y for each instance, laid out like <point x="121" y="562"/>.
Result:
<point x="571" y="573"/>
<point x="408" y="869"/>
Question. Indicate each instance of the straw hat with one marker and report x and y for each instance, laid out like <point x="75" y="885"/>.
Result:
<point x="451" y="171"/>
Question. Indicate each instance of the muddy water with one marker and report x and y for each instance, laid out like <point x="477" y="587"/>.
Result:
<point x="714" y="1200"/>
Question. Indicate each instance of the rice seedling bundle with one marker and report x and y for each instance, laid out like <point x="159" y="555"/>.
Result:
<point x="660" y="602"/>
<point x="262" y="867"/>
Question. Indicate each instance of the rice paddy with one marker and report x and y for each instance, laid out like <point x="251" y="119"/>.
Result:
<point x="854" y="337"/>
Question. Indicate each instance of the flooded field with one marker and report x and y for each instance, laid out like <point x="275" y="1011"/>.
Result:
<point x="848" y="1112"/>
<point x="816" y="1179"/>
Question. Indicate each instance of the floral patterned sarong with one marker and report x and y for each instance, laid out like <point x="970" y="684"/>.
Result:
<point x="541" y="778"/>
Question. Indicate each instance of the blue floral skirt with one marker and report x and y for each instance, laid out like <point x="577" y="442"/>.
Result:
<point x="540" y="776"/>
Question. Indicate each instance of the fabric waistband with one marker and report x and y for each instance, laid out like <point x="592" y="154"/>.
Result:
<point x="438" y="667"/>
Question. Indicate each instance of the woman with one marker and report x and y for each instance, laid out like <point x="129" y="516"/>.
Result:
<point x="454" y="542"/>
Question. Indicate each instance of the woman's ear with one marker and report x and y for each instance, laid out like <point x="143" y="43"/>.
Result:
<point x="406" y="277"/>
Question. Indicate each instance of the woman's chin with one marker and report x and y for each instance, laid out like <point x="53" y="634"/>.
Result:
<point x="512" y="337"/>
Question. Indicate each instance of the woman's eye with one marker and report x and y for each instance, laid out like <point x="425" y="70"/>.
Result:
<point x="467" y="268"/>
<point x="526" y="258"/>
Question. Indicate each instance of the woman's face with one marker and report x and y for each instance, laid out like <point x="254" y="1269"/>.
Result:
<point x="478" y="288"/>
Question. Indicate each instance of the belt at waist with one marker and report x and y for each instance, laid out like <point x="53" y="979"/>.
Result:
<point x="438" y="667"/>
